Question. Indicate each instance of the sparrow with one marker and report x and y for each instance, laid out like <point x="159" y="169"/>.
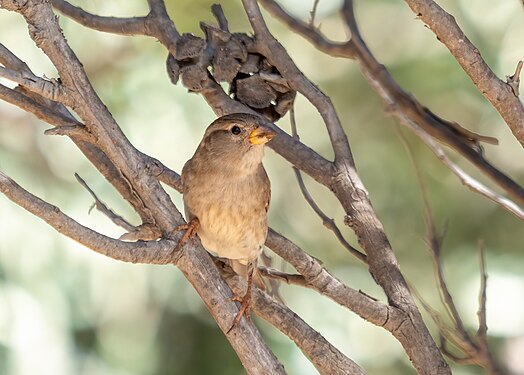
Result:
<point x="226" y="193"/>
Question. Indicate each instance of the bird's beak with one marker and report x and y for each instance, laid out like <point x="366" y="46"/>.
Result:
<point x="261" y="135"/>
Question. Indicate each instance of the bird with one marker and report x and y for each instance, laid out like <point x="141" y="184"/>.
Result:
<point x="226" y="193"/>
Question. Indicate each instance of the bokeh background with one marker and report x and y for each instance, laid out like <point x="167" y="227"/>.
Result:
<point x="67" y="310"/>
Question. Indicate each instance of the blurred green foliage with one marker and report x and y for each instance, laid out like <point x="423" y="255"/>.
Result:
<point x="66" y="310"/>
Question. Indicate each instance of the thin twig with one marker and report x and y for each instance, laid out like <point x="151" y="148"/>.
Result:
<point x="481" y="313"/>
<point x="218" y="12"/>
<point x="313" y="13"/>
<point x="465" y="178"/>
<point x="102" y="207"/>
<point x="449" y="303"/>
<point x="328" y="222"/>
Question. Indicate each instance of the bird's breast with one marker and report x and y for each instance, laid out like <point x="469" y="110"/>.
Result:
<point x="232" y="215"/>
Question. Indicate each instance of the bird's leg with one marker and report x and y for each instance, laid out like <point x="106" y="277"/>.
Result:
<point x="245" y="302"/>
<point x="191" y="229"/>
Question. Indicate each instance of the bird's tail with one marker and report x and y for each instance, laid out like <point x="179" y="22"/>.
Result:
<point x="243" y="269"/>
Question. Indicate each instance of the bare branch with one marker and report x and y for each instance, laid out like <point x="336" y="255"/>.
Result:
<point x="292" y="279"/>
<point x="48" y="89"/>
<point x="328" y="222"/>
<point x="499" y="93"/>
<point x="313" y="13"/>
<point x="448" y="301"/>
<point x="326" y="358"/>
<point x="156" y="24"/>
<point x="102" y="207"/>
<point x="10" y="60"/>
<point x="321" y="280"/>
<point x="155" y="252"/>
<point x="277" y="55"/>
<point x="466" y="179"/>
<point x="514" y="80"/>
<point x="26" y="103"/>
<point x="114" y="25"/>
<point x="400" y="103"/>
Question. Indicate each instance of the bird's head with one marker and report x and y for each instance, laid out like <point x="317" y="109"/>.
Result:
<point x="237" y="139"/>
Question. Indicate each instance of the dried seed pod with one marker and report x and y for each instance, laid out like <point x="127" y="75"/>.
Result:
<point x="189" y="47"/>
<point x="214" y="34"/>
<point x="265" y="66"/>
<point x="254" y="92"/>
<point x="285" y="103"/>
<point x="251" y="64"/>
<point x="245" y="40"/>
<point x="278" y="86"/>
<point x="269" y="113"/>
<point x="194" y="77"/>
<point x="236" y="49"/>
<point x="225" y="67"/>
<point x="173" y="69"/>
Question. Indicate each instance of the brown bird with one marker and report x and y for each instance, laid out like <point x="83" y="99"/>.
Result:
<point x="226" y="194"/>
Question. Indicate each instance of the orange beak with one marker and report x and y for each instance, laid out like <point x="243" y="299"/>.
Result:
<point x="261" y="135"/>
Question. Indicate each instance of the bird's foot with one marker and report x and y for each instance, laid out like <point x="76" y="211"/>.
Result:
<point x="191" y="229"/>
<point x="245" y="309"/>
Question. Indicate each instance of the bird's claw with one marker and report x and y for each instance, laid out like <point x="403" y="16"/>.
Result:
<point x="191" y="229"/>
<point x="245" y="307"/>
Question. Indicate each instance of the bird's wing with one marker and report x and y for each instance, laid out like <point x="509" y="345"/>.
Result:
<point x="266" y="184"/>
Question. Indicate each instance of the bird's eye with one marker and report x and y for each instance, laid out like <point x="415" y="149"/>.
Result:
<point x="235" y="130"/>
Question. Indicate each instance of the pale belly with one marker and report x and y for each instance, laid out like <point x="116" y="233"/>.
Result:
<point x="230" y="225"/>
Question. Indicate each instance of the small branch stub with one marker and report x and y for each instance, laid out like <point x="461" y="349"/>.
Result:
<point x="514" y="80"/>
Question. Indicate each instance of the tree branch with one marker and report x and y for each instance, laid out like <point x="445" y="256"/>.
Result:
<point x="499" y="93"/>
<point x="467" y="180"/>
<point x="328" y="222"/>
<point x="277" y="56"/>
<point x="114" y="25"/>
<point x="326" y="358"/>
<point x="351" y="193"/>
<point x="156" y="24"/>
<point x="154" y="252"/>
<point x="400" y="103"/>
<point x="198" y="269"/>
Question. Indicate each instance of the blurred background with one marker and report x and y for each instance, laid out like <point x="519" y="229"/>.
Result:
<point x="67" y="310"/>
